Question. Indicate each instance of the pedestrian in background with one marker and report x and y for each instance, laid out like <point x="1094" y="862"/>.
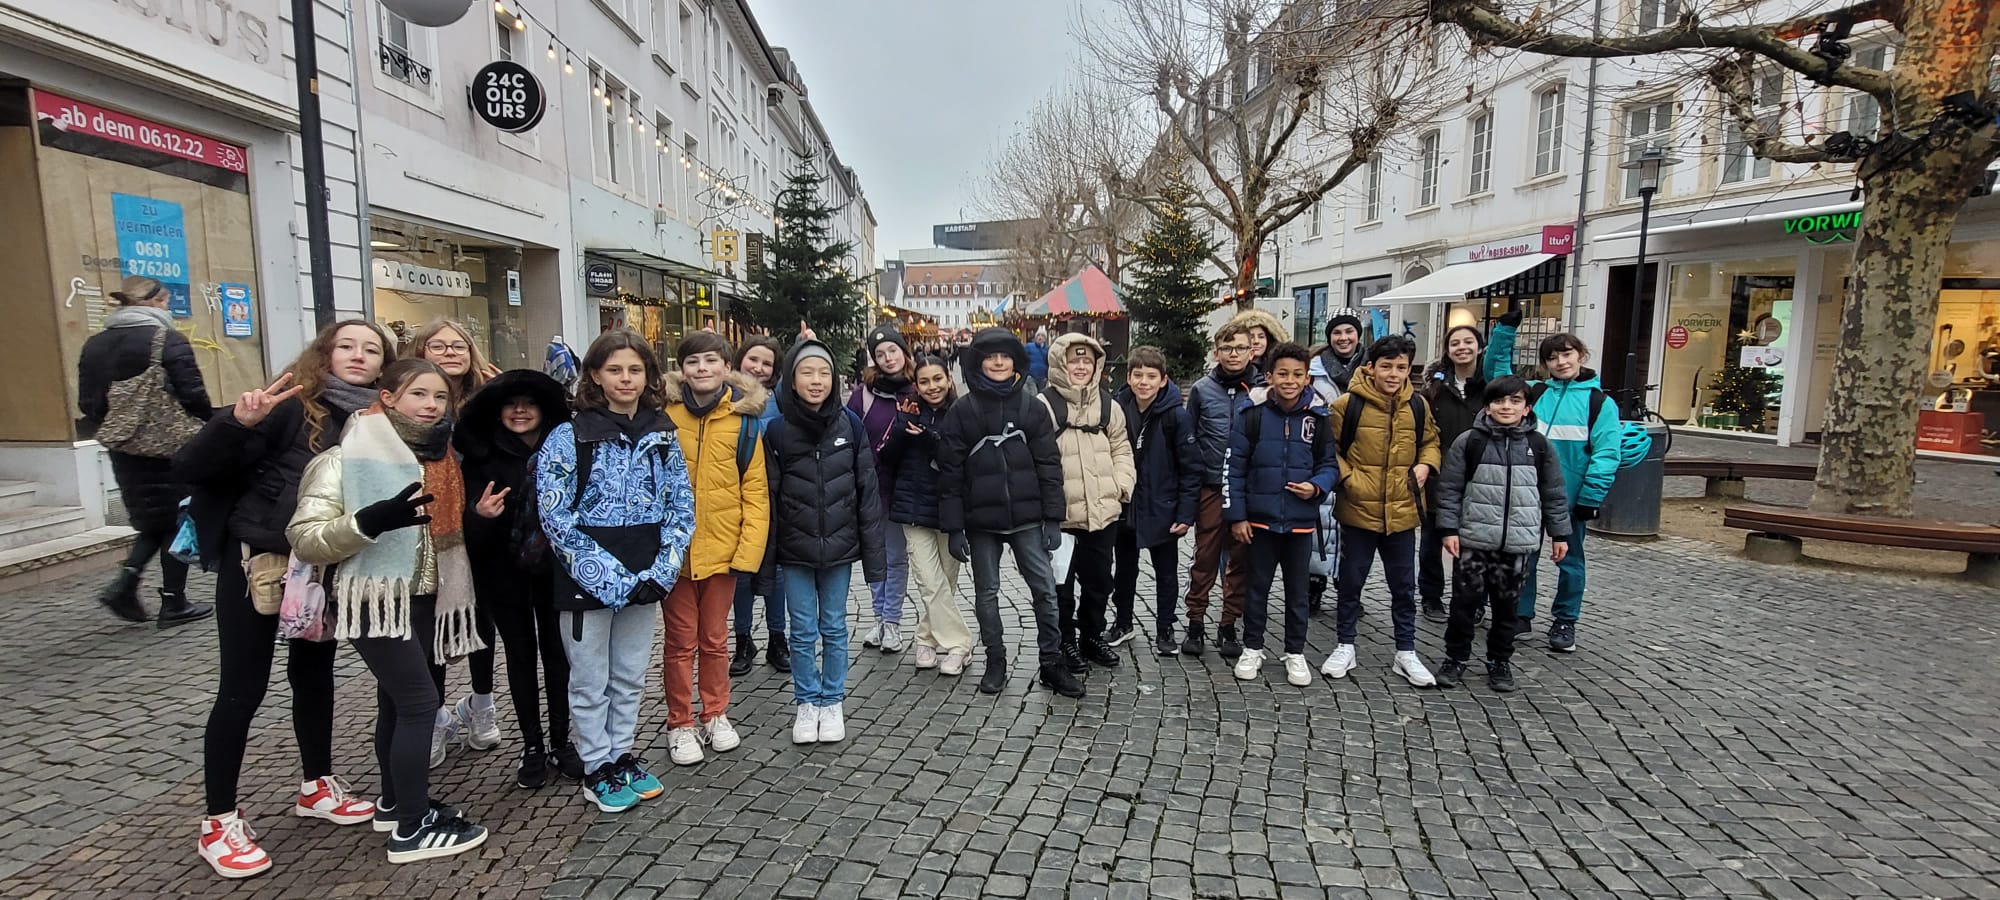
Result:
<point x="1214" y="404"/>
<point x="1166" y="462"/>
<point x="758" y="358"/>
<point x="943" y="642"/>
<point x="1098" y="476"/>
<point x="1038" y="359"/>
<point x="1265" y="336"/>
<point x="138" y="336"/>
<point x="1332" y="369"/>
<point x="885" y="387"/>
<point x="1455" y="388"/>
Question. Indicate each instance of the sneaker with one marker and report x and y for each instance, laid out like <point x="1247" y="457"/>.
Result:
<point x="230" y="847"/>
<point x="684" y="745"/>
<point x="1524" y="628"/>
<point x="1500" y="676"/>
<point x="953" y="663"/>
<point x="480" y="726"/>
<point x="1163" y="644"/>
<point x="873" y="636"/>
<point x="637" y="779"/>
<point x="745" y="657"/>
<point x="1450" y="674"/>
<point x="832" y="724"/>
<point x="437" y="836"/>
<point x="443" y="735"/>
<point x="1434" y="610"/>
<point x="329" y="800"/>
<point x="1226" y="642"/>
<point x="1412" y="668"/>
<point x="568" y="761"/>
<point x="1340" y="663"/>
<point x="1072" y="658"/>
<point x="606" y="787"/>
<point x="534" y="770"/>
<point x="1298" y="672"/>
<point x="721" y="735"/>
<point x="385" y="816"/>
<point x="1195" y="644"/>
<point x="892" y="638"/>
<point x="1100" y="653"/>
<point x="1562" y="637"/>
<point x="779" y="654"/>
<point x="1249" y="664"/>
<point x="1061" y="680"/>
<point x="805" y="728"/>
<point x="1119" y="634"/>
<point x="994" y="679"/>
<point x="927" y="657"/>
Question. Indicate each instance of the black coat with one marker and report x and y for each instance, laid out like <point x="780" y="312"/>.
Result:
<point x="245" y="481"/>
<point x="1167" y="454"/>
<point x="826" y="510"/>
<point x="913" y="458"/>
<point x="1454" y="411"/>
<point x="490" y="454"/>
<point x="146" y="485"/>
<point x="999" y="469"/>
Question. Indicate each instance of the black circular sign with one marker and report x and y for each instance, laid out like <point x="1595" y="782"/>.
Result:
<point x="508" y="97"/>
<point x="601" y="279"/>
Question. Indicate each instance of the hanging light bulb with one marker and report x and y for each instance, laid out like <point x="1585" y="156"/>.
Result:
<point x="568" y="69"/>
<point x="629" y="120"/>
<point x="552" y="49"/>
<point x="596" y="90"/>
<point x="520" y="24"/>
<point x="500" y="6"/>
<point x="607" y="101"/>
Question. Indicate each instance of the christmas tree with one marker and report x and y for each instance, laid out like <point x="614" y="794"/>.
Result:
<point x="1169" y="299"/>
<point x="802" y="279"/>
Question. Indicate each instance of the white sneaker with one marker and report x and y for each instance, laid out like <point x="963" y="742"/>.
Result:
<point x="927" y="657"/>
<point x="805" y="729"/>
<point x="1249" y="664"/>
<point x="684" y="746"/>
<point x="480" y="727"/>
<point x="1297" y="671"/>
<point x="953" y="663"/>
<point x="1409" y="666"/>
<point x="892" y="638"/>
<point x="228" y="844"/>
<point x="832" y="724"/>
<point x="443" y="735"/>
<point x="722" y="735"/>
<point x="1340" y="663"/>
<point x="873" y="636"/>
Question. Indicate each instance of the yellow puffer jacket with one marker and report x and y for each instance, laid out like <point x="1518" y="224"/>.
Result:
<point x="1098" y="473"/>
<point x="1376" y="486"/>
<point x="732" y="511"/>
<point x="323" y="531"/>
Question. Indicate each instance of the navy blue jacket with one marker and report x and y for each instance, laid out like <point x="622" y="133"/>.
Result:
<point x="1291" y="445"/>
<point x="1168" y="457"/>
<point x="912" y="460"/>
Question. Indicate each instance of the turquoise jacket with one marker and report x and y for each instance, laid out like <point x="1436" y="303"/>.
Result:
<point x="1589" y="454"/>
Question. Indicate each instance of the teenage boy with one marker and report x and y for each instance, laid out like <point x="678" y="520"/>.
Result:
<point x="1281" y="467"/>
<point x="1097" y="483"/>
<point x="1167" y="464"/>
<point x="1214" y="404"/>
<point x="1388" y="449"/>
<point x="1501" y="490"/>
<point x="1000" y="478"/>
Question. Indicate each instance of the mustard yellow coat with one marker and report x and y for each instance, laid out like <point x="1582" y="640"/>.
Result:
<point x="732" y="511"/>
<point x="1376" y="489"/>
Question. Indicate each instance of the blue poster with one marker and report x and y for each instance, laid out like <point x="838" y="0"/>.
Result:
<point x="236" y="314"/>
<point x="152" y="241"/>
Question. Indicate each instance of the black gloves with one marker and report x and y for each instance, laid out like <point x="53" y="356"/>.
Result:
<point x="961" y="548"/>
<point x="645" y="592"/>
<point x="401" y="511"/>
<point x="1051" y="535"/>
<point x="1512" y="319"/>
<point x="1583" y="514"/>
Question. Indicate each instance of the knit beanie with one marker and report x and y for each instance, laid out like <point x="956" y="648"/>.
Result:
<point x="1345" y="315"/>
<point x="883" y="334"/>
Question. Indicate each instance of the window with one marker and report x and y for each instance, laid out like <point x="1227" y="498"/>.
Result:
<point x="663" y="36"/>
<point x="666" y="169"/>
<point x="743" y="97"/>
<point x="634" y="119"/>
<point x="1373" y="201"/>
<point x="1313" y="221"/>
<point x="1427" y="170"/>
<point x="1654" y="15"/>
<point x="687" y="38"/>
<point x="1864" y="112"/>
<point x="611" y="137"/>
<point x="1645" y="126"/>
<point x="1739" y="161"/>
<point x="503" y="37"/>
<point x="1549" y="131"/>
<point x="406" y="51"/>
<point x="691" y="157"/>
<point x="1479" y="180"/>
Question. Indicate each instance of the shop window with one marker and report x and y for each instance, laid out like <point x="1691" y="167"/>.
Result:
<point x="1549" y="131"/>
<point x="1864" y="112"/>
<point x="1730" y="319"/>
<point x="1427" y="170"/>
<point x="1480" y="160"/>
<point x="1646" y="126"/>
<point x="1740" y="162"/>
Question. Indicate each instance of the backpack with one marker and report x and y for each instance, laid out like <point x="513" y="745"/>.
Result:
<point x="1474" y="450"/>
<point x="747" y="435"/>
<point x="1060" y="408"/>
<point x="1597" y="398"/>
<point x="1350" y="424"/>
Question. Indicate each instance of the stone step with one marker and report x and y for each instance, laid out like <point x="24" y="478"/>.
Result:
<point x="16" y="495"/>
<point x="34" y="524"/>
<point x="62" y="557"/>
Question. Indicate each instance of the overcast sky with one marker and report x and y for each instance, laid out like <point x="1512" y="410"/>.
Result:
<point x="916" y="93"/>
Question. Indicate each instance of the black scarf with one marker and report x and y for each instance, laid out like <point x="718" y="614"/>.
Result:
<point x="694" y="405"/>
<point x="977" y="380"/>
<point x="887" y="385"/>
<point x="429" y="442"/>
<point x="811" y="421"/>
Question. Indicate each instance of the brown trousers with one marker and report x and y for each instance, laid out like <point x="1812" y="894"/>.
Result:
<point x="1213" y="542"/>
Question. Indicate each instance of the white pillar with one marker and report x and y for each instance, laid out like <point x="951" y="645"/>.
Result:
<point x="1799" y="337"/>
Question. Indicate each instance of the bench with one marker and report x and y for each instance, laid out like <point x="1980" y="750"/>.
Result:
<point x="1775" y="532"/>
<point x="1725" y="476"/>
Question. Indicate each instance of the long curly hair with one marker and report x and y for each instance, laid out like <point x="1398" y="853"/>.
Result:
<point x="590" y="396"/>
<point x="314" y="366"/>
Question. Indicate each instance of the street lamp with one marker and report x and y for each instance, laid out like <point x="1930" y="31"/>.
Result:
<point x="1649" y="164"/>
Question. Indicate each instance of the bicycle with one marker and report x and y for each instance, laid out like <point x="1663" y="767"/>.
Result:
<point x="1632" y="408"/>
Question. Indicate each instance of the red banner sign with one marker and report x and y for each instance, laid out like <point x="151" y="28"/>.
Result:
<point x="1677" y="337"/>
<point x="96" y="121"/>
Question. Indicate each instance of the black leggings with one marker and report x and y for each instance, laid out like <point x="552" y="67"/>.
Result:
<point x="526" y="630"/>
<point x="406" y="702"/>
<point x="247" y="644"/>
<point x="480" y="662"/>
<point x="173" y="572"/>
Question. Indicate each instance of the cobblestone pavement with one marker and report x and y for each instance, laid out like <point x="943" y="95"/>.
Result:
<point x="1946" y="489"/>
<point x="1729" y="730"/>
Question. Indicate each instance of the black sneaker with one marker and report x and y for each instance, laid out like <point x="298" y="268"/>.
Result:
<point x="1500" y="676"/>
<point x="1060" y="680"/>
<point x="1163" y="643"/>
<point x="568" y="761"/>
<point x="779" y="654"/>
<point x="1562" y="637"/>
<point x="1100" y="654"/>
<point x="437" y="836"/>
<point x="176" y="610"/>
<point x="1449" y="674"/>
<point x="994" y="679"/>
<point x="1195" y="644"/>
<point x="1119" y="634"/>
<point x="385" y="816"/>
<point x="1434" y="610"/>
<point x="1226" y="642"/>
<point x="1072" y="658"/>
<point x="534" y="771"/>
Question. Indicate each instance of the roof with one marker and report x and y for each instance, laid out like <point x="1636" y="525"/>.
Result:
<point x="1090" y="291"/>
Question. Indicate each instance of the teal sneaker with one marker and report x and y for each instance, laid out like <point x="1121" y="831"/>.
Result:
<point x="606" y="787"/>
<point x="637" y="779"/>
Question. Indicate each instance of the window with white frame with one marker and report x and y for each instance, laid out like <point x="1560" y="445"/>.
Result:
<point x="1479" y="161"/>
<point x="1653" y="15"/>
<point x="690" y="183"/>
<point x="1740" y="162"/>
<point x="1549" y="103"/>
<point x="1372" y="201"/>
<point x="687" y="36"/>
<point x="407" y="52"/>
<point x="1313" y="220"/>
<point x="666" y="168"/>
<point x="663" y="26"/>
<point x="611" y="138"/>
<point x="504" y="40"/>
<point x="636" y="128"/>
<point x="1646" y="125"/>
<point x="1427" y="169"/>
<point x="1864" y="113"/>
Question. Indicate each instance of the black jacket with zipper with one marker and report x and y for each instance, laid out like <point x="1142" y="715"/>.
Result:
<point x="245" y="480"/>
<point x="913" y="497"/>
<point x="825" y="506"/>
<point x="999" y="469"/>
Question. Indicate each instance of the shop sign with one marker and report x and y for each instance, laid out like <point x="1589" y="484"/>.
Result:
<point x="1699" y="322"/>
<point x="152" y="243"/>
<point x="236" y="310"/>
<point x="1830" y="228"/>
<point x="401" y="276"/>
<point x="83" y="118"/>
<point x="508" y="96"/>
<point x="513" y="287"/>
<point x="600" y="279"/>
<point x="1677" y="337"/>
<point x="1560" y="239"/>
<point x="239" y="29"/>
<point x="724" y="242"/>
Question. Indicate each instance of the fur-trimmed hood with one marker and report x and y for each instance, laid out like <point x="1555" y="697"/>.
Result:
<point x="746" y="396"/>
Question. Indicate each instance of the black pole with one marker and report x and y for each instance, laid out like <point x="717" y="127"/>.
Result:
<point x="1639" y="285"/>
<point x="313" y="161"/>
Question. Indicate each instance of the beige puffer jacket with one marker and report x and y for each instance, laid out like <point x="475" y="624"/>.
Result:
<point x="1098" y="474"/>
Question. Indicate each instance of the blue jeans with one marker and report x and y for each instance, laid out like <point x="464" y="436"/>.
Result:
<point x="817" y="601"/>
<point x="888" y="593"/>
<point x="774" y="605"/>
<point x="1358" y="549"/>
<point x="610" y="653"/>
<point x="1569" y="581"/>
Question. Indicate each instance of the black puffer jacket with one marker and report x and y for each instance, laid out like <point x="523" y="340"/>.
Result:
<point x="825" y="507"/>
<point x="245" y="481"/>
<point x="1454" y="410"/>
<point x="998" y="466"/>
<point x="913" y="498"/>
<point x="491" y="454"/>
<point x="147" y="486"/>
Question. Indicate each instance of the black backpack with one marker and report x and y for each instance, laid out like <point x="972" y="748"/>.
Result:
<point x="1060" y="409"/>
<point x="1597" y="398"/>
<point x="1350" y="424"/>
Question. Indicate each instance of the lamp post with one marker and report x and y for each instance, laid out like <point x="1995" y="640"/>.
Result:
<point x="1649" y="164"/>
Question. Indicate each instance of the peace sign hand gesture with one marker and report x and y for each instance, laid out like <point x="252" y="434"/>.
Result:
<point x="490" y="504"/>
<point x="253" y="406"/>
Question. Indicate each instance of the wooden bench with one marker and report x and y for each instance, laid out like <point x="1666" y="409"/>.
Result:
<point x="1775" y="532"/>
<point x="1725" y="476"/>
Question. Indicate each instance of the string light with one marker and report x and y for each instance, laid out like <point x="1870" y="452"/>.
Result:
<point x="500" y="6"/>
<point x="567" y="68"/>
<point x="552" y="52"/>
<point x="520" y="24"/>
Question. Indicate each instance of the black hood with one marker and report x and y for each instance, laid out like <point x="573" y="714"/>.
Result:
<point x="999" y="340"/>
<point x="479" y="428"/>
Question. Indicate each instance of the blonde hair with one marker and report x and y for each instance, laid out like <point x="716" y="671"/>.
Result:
<point x="475" y="375"/>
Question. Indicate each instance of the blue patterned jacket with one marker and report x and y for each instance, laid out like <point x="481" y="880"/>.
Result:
<point x="636" y="513"/>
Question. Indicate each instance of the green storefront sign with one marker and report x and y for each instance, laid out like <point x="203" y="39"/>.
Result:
<point x="1826" y="228"/>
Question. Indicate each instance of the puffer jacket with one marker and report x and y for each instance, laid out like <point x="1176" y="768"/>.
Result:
<point x="1214" y="403"/>
<point x="999" y="469"/>
<point x="1038" y="361"/>
<point x="631" y="521"/>
<point x="1589" y="454"/>
<point x="1166" y="460"/>
<point x="914" y="460"/>
<point x="1291" y="446"/>
<point x="245" y="479"/>
<point x="827" y="508"/>
<point x="146" y="485"/>
<point x="1096" y="453"/>
<point x="1509" y="497"/>
<point x="323" y="531"/>
<point x="1377" y="490"/>
<point x="732" y="508"/>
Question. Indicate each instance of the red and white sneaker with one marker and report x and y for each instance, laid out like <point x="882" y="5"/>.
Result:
<point x="228" y="844"/>
<point x="328" y="799"/>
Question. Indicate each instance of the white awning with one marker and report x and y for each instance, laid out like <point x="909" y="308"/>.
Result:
<point x="1454" y="282"/>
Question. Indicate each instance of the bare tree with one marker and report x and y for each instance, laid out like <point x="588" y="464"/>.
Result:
<point x="1930" y="154"/>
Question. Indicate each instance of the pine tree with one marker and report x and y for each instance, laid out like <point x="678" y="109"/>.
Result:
<point x="801" y="280"/>
<point x="1170" y="298"/>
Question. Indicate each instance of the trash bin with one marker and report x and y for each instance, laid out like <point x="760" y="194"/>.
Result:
<point x="1632" y="506"/>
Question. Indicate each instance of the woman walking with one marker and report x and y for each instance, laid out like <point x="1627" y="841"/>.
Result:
<point x="943" y="641"/>
<point x="137" y="336"/>
<point x="758" y="359"/>
<point x="883" y="390"/>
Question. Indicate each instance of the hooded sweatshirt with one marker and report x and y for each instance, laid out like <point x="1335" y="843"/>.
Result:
<point x="1098" y="474"/>
<point x="492" y="455"/>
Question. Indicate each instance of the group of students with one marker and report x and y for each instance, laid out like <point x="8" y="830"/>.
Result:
<point x="444" y="505"/>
